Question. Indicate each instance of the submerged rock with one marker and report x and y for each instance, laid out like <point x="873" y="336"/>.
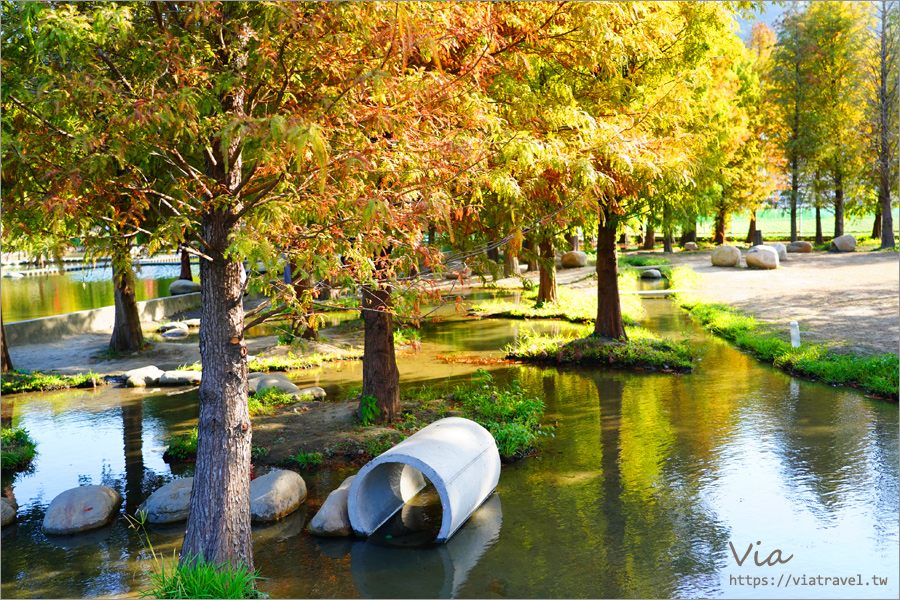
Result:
<point x="171" y="326"/>
<point x="143" y="377"/>
<point x="651" y="274"/>
<point x="333" y="519"/>
<point x="314" y="392"/>
<point x="180" y="378"/>
<point x="169" y="503"/>
<point x="279" y="381"/>
<point x="176" y="334"/>
<point x="276" y="495"/>
<point x="81" y="509"/>
<point x="7" y="511"/>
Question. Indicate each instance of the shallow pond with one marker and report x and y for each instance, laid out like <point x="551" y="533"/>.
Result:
<point x="57" y="294"/>
<point x="649" y="479"/>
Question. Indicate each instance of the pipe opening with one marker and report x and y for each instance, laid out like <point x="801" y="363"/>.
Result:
<point x="416" y="524"/>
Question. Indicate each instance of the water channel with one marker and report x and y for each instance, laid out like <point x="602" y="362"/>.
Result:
<point x="648" y="480"/>
<point x="61" y="293"/>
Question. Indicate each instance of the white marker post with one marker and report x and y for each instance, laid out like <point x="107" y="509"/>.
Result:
<point x="795" y="334"/>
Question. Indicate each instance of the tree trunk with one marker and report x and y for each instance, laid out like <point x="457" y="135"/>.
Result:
<point x="185" y="266"/>
<point x="623" y="239"/>
<point x="667" y="242"/>
<point x="887" y="220"/>
<point x="887" y="104"/>
<point x="719" y="237"/>
<point x="690" y="233"/>
<point x="819" y="238"/>
<point x="649" y="237"/>
<point x="5" y="361"/>
<point x="547" y="290"/>
<point x="303" y="287"/>
<point x="381" y="378"/>
<point x="511" y="264"/>
<point x="795" y="190"/>
<point x="127" y="335"/>
<point x="494" y="254"/>
<point x="752" y="231"/>
<point x="574" y="243"/>
<point x="876" y="226"/>
<point x="432" y="232"/>
<point x="609" y="310"/>
<point x="532" y="261"/>
<point x="838" y="203"/>
<point x="218" y="526"/>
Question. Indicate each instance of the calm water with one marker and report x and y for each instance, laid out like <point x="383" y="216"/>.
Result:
<point x="48" y="295"/>
<point x="648" y="479"/>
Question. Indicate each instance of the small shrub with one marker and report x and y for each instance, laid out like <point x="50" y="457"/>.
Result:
<point x="18" y="449"/>
<point x="368" y="409"/>
<point x="182" y="447"/>
<point x="200" y="579"/>
<point x="265" y="401"/>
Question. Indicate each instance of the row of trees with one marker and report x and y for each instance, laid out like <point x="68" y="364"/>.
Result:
<point x="347" y="142"/>
<point x="833" y="81"/>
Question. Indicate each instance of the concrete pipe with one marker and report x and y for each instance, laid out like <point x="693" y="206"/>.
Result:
<point x="457" y="455"/>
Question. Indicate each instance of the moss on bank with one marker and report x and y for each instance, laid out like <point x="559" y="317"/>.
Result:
<point x="18" y="449"/>
<point x="877" y="375"/>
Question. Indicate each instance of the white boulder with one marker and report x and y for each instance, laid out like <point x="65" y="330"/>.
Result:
<point x="180" y="378"/>
<point x="781" y="249"/>
<point x="574" y="260"/>
<point x="726" y="256"/>
<point x="844" y="243"/>
<point x="762" y="257"/>
<point x="143" y="377"/>
<point x="690" y="247"/>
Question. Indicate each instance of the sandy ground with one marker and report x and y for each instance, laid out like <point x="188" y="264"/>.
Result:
<point x="848" y="301"/>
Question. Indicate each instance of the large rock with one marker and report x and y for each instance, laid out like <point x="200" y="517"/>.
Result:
<point x="844" y="243"/>
<point x="314" y="392"/>
<point x="690" y="247"/>
<point x="799" y="247"/>
<point x="457" y="272"/>
<point x="762" y="257"/>
<point x="81" y="509"/>
<point x="333" y="519"/>
<point x="574" y="260"/>
<point x="180" y="378"/>
<point x="781" y="249"/>
<point x="726" y="256"/>
<point x="143" y="377"/>
<point x="278" y="381"/>
<point x="183" y="286"/>
<point x="170" y="503"/>
<point x="7" y="511"/>
<point x="276" y="495"/>
<point x="651" y="274"/>
<point x="192" y="323"/>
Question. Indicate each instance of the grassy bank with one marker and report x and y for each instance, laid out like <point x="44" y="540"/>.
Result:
<point x="877" y="375"/>
<point x="15" y="382"/>
<point x="18" y="449"/>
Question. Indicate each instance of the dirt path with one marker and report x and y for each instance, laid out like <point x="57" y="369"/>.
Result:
<point x="848" y="301"/>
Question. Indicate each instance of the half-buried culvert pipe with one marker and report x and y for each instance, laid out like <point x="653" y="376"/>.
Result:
<point x="457" y="455"/>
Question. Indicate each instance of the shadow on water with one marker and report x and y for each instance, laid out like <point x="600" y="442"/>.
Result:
<point x="647" y="480"/>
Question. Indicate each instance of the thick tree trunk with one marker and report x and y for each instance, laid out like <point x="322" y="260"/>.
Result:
<point x="876" y="225"/>
<point x="719" y="237"/>
<point x="5" y="361"/>
<point x="510" y="264"/>
<point x="127" y="335"/>
<point x="609" y="309"/>
<point x="381" y="378"/>
<point x="819" y="238"/>
<point x="887" y="220"/>
<point x="887" y="104"/>
<point x="838" y="203"/>
<point x="494" y="254"/>
<point x="218" y="526"/>
<point x="649" y="237"/>
<point x="668" y="241"/>
<point x="751" y="232"/>
<point x="185" y="266"/>
<point x="547" y="290"/>
<point x="795" y="190"/>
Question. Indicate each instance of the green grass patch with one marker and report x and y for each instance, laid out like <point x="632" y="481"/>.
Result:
<point x="573" y="305"/>
<point x="307" y="460"/>
<point x="18" y="449"/>
<point x="265" y="402"/>
<point x="642" y="350"/>
<point x="289" y="362"/>
<point x="641" y="261"/>
<point x="15" y="382"/>
<point x="201" y="579"/>
<point x="877" y="375"/>
<point x="182" y="447"/>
